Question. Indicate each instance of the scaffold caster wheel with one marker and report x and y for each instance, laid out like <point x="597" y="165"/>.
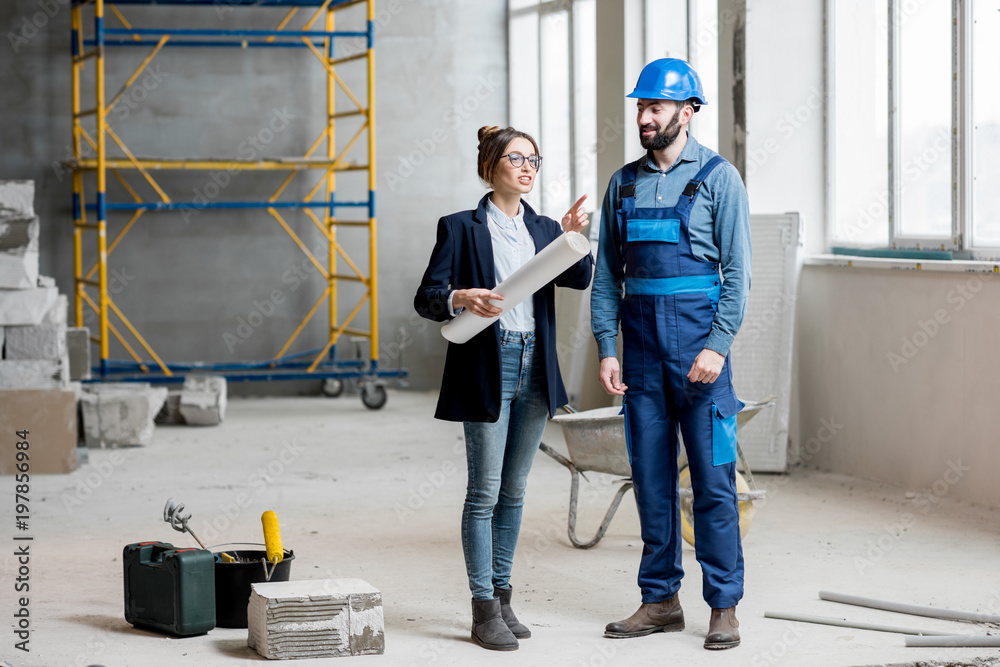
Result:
<point x="374" y="396"/>
<point x="333" y="387"/>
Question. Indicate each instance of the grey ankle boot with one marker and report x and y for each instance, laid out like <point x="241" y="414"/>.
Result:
<point x="519" y="630"/>
<point x="488" y="627"/>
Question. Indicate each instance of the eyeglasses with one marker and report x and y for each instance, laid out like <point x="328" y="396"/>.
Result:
<point x="516" y="160"/>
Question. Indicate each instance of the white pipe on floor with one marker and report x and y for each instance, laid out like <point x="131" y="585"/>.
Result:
<point x="842" y="623"/>
<point x="972" y="641"/>
<point x="912" y="609"/>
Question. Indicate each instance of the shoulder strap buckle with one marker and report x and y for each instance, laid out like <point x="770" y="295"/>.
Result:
<point x="691" y="189"/>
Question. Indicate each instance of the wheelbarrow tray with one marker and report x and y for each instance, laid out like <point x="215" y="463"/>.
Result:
<point x="595" y="440"/>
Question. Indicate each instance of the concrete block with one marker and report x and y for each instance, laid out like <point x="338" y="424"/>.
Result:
<point x="18" y="253"/>
<point x="323" y="618"/>
<point x="46" y="281"/>
<point x="78" y="349"/>
<point x="170" y="413"/>
<point x="41" y="341"/>
<point x="34" y="373"/>
<point x="59" y="312"/>
<point x="120" y="414"/>
<point x="17" y="199"/>
<point x="49" y="416"/>
<point x="203" y="400"/>
<point x="26" y="306"/>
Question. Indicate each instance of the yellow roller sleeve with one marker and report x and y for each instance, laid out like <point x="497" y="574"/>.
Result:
<point x="272" y="537"/>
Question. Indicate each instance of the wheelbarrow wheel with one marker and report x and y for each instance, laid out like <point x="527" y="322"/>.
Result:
<point x="687" y="506"/>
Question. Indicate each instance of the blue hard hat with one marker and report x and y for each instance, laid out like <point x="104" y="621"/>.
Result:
<point x="668" y="79"/>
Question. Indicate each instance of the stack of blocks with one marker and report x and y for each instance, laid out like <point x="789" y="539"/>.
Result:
<point x="315" y="619"/>
<point x="35" y="390"/>
<point x="33" y="315"/>
<point x="31" y="312"/>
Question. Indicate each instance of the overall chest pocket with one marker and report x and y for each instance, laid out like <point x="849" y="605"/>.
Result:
<point x="654" y="231"/>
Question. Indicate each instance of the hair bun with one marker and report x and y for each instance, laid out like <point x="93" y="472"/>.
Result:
<point x="485" y="132"/>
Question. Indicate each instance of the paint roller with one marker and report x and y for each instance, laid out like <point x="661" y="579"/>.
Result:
<point x="272" y="537"/>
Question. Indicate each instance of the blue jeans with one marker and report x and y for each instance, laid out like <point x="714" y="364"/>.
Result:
<point x="499" y="457"/>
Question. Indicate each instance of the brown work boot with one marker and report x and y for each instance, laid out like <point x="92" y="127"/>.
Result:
<point x="663" y="616"/>
<point x="723" y="629"/>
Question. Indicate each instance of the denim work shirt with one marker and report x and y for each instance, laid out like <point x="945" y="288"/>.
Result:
<point x="720" y="232"/>
<point x="512" y="247"/>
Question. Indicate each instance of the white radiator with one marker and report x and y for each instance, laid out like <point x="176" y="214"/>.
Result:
<point x="762" y="352"/>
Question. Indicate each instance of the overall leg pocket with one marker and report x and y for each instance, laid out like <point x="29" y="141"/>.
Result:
<point x="724" y="411"/>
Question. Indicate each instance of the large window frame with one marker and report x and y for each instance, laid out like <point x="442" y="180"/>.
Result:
<point x="694" y="37"/>
<point x="960" y="241"/>
<point x="541" y="196"/>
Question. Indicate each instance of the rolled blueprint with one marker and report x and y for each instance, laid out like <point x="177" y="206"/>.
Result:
<point x="535" y="274"/>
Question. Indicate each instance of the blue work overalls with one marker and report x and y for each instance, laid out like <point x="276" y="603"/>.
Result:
<point x="666" y="315"/>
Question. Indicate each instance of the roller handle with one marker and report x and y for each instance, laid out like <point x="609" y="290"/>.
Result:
<point x="272" y="537"/>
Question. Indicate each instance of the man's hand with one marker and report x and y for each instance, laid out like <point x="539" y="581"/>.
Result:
<point x="706" y="367"/>
<point x="611" y="376"/>
<point x="575" y="218"/>
<point x="477" y="301"/>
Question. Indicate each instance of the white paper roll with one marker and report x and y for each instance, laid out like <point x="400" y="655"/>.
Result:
<point x="535" y="274"/>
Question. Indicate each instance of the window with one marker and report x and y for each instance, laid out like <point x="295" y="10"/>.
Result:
<point x="703" y="54"/>
<point x="914" y="124"/>
<point x="985" y="124"/>
<point x="553" y="69"/>
<point x="860" y="120"/>
<point x="923" y="128"/>
<point x="553" y="83"/>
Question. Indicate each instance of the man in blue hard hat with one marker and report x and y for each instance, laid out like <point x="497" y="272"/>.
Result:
<point x="671" y="223"/>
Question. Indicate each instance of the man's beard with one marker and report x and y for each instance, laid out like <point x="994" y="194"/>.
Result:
<point x="665" y="137"/>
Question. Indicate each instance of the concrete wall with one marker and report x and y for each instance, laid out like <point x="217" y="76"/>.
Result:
<point x="899" y="376"/>
<point x="186" y="282"/>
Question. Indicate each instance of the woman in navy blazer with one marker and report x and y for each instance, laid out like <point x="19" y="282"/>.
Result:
<point x="505" y="382"/>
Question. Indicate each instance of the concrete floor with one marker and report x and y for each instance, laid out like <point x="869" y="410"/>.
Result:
<point x="378" y="495"/>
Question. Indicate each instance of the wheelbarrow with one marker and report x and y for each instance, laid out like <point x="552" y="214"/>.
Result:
<point x="596" y="443"/>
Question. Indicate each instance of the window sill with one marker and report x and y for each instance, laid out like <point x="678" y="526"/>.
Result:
<point x="934" y="266"/>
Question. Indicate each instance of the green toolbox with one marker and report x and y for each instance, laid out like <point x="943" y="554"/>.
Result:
<point x="168" y="589"/>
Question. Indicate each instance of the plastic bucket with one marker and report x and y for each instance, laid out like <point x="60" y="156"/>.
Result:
<point x="232" y="584"/>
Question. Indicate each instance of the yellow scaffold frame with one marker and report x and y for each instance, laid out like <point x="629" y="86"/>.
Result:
<point x="321" y="44"/>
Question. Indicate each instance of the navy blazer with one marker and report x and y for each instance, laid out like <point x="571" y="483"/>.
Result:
<point x="463" y="259"/>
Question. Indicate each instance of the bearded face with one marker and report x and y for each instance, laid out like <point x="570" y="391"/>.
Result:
<point x="662" y="137"/>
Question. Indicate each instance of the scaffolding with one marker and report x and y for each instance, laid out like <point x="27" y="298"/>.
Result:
<point x="91" y="285"/>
